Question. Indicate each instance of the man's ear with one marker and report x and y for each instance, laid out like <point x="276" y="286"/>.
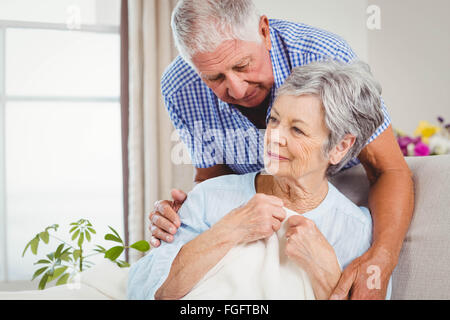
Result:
<point x="264" y="31"/>
<point x="340" y="150"/>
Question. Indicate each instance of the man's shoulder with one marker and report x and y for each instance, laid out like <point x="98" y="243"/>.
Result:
<point x="178" y="76"/>
<point x="301" y="38"/>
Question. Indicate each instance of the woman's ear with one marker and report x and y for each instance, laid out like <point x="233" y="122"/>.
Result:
<point x="340" y="150"/>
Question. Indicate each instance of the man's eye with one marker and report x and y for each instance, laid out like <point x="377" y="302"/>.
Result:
<point x="215" y="79"/>
<point x="241" y="67"/>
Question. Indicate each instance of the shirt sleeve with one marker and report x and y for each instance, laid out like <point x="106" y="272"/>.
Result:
<point x="150" y="272"/>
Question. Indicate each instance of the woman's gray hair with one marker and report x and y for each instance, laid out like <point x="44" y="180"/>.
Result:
<point x="350" y="97"/>
<point x="202" y="25"/>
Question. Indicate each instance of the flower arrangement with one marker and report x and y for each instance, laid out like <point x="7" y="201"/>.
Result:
<point x="428" y="139"/>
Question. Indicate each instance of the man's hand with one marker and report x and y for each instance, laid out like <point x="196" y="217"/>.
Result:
<point x="366" y="277"/>
<point x="164" y="219"/>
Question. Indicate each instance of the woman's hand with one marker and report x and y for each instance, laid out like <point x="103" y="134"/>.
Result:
<point x="259" y="218"/>
<point x="309" y="248"/>
<point x="164" y="219"/>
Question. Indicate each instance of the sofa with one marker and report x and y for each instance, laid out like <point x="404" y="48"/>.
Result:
<point x="422" y="271"/>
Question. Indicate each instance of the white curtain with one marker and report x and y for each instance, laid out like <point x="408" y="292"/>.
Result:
<point x="152" y="173"/>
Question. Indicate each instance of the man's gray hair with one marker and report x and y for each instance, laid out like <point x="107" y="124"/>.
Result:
<point x="351" y="98"/>
<point x="202" y="25"/>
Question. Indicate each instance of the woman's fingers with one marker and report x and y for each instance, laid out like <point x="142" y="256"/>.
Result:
<point x="276" y="225"/>
<point x="279" y="213"/>
<point x="296" y="220"/>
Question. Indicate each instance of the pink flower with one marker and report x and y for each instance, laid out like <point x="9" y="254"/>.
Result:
<point x="421" y="149"/>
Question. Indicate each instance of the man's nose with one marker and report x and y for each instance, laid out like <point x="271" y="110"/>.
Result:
<point x="236" y="87"/>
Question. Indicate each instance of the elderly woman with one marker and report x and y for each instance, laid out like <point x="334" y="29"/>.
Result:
<point x="287" y="232"/>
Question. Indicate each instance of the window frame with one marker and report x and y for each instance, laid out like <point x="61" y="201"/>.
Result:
<point x="4" y="98"/>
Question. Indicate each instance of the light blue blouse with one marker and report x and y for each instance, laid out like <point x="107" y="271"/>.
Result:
<point x="347" y="227"/>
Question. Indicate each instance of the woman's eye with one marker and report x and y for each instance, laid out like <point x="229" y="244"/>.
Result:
<point x="272" y="119"/>
<point x="297" y="130"/>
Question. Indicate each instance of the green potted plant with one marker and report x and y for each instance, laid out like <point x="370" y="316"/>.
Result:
<point x="71" y="257"/>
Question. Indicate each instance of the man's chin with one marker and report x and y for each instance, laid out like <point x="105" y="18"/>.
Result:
<point x="253" y="102"/>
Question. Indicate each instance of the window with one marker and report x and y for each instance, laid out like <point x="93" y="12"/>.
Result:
<point x="60" y="127"/>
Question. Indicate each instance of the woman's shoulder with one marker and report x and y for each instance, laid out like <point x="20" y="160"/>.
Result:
<point x="346" y="208"/>
<point x="228" y="182"/>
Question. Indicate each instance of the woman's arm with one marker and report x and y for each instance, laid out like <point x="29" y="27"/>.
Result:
<point x="309" y="248"/>
<point x="194" y="260"/>
<point x="258" y="219"/>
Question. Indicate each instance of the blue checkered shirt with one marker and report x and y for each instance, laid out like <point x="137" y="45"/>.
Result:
<point x="216" y="132"/>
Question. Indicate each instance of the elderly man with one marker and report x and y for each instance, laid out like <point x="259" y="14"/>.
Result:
<point x="219" y="93"/>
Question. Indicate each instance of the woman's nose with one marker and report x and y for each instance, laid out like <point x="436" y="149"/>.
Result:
<point x="236" y="87"/>
<point x="277" y="136"/>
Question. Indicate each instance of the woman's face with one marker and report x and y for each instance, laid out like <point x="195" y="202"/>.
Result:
<point x="295" y="135"/>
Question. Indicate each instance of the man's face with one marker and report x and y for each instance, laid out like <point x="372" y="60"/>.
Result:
<point x="238" y="72"/>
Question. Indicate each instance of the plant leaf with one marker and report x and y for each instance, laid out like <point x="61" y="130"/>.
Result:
<point x="38" y="272"/>
<point x="76" y="254"/>
<point x="142" y="246"/>
<point x="88" y="236"/>
<point x="63" y="279"/>
<point x="51" y="256"/>
<point x="58" y="250"/>
<point x="100" y="249"/>
<point x="81" y="239"/>
<point x="112" y="237"/>
<point x="43" y="261"/>
<point x="115" y="232"/>
<point x="113" y="253"/>
<point x="26" y="247"/>
<point x="44" y="236"/>
<point x="72" y="229"/>
<point x="122" y="264"/>
<point x="92" y="230"/>
<point x="57" y="272"/>
<point x="53" y="226"/>
<point x="43" y="282"/>
<point x="34" y="244"/>
<point x="75" y="235"/>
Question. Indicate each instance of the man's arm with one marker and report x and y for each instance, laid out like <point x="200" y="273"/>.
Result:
<point x="391" y="197"/>
<point x="202" y="174"/>
<point x="391" y="202"/>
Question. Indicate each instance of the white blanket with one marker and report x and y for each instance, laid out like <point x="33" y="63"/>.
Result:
<point x="257" y="270"/>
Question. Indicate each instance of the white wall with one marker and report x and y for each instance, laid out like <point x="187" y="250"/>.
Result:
<point x="346" y="18"/>
<point x="409" y="54"/>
